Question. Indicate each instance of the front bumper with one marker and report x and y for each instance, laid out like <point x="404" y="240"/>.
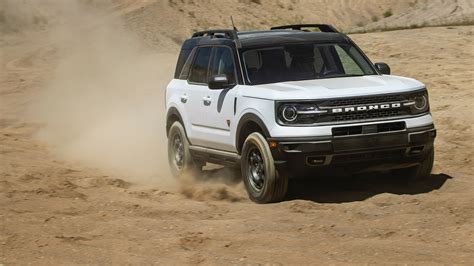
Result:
<point x="353" y="151"/>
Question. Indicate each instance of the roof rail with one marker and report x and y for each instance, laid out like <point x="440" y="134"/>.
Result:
<point x="231" y="34"/>
<point x="321" y="27"/>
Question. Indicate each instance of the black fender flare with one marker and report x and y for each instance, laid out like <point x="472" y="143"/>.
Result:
<point x="173" y="111"/>
<point x="249" y="117"/>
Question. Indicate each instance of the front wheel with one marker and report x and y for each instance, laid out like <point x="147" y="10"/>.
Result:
<point x="179" y="156"/>
<point x="421" y="171"/>
<point x="262" y="181"/>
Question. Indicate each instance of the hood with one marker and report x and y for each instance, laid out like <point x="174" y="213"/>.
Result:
<point x="332" y="87"/>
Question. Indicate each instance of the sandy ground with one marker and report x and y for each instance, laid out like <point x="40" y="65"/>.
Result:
<point x="58" y="209"/>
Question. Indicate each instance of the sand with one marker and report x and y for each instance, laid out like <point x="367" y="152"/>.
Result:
<point x="87" y="181"/>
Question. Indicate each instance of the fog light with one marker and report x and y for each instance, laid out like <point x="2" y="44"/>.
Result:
<point x="315" y="160"/>
<point x="416" y="150"/>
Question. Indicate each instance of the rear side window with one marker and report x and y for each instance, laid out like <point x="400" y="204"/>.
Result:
<point x="185" y="70"/>
<point x="183" y="56"/>
<point x="223" y="63"/>
<point x="200" y="66"/>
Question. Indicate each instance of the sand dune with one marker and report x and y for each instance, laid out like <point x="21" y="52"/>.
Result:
<point x="167" y="23"/>
<point x="73" y="193"/>
<point x="427" y="13"/>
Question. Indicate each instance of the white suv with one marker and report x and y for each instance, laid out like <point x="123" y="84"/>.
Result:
<point x="289" y="102"/>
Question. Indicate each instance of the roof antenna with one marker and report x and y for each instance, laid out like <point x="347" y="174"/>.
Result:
<point x="233" y="25"/>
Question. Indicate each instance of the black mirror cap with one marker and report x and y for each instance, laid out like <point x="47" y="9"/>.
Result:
<point x="218" y="82"/>
<point x="383" y="68"/>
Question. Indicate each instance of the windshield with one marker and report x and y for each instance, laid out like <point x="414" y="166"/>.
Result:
<point x="303" y="62"/>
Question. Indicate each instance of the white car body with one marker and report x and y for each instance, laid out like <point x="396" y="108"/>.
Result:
<point x="290" y="102"/>
<point x="206" y="127"/>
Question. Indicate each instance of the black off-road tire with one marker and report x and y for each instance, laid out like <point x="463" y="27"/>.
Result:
<point x="274" y="185"/>
<point x="419" y="172"/>
<point x="183" y="164"/>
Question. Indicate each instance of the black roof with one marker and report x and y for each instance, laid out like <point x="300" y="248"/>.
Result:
<point x="277" y="35"/>
<point x="272" y="37"/>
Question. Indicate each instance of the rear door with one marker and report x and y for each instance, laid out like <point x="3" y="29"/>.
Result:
<point x="195" y="92"/>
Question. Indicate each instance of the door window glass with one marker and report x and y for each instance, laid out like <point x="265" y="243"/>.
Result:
<point x="201" y="65"/>
<point x="223" y="63"/>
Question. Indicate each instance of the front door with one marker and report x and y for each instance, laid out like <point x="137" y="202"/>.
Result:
<point x="211" y="111"/>
<point x="220" y="104"/>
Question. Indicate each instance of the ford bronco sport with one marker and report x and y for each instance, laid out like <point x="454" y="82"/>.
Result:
<point x="291" y="102"/>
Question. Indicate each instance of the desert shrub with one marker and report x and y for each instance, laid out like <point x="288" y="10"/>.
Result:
<point x="375" y="18"/>
<point x="258" y="2"/>
<point x="387" y="13"/>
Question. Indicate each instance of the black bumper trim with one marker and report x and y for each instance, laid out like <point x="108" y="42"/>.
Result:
<point x="403" y="146"/>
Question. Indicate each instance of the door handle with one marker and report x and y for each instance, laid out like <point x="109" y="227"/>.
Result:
<point x="184" y="98"/>
<point x="207" y="100"/>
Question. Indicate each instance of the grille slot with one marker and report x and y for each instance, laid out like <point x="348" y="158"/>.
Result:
<point x="368" y="156"/>
<point x="378" y="128"/>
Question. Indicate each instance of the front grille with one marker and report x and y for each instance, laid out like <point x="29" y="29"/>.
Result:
<point x="357" y="115"/>
<point x="366" y="115"/>
<point x="368" y="156"/>
<point x="364" y="100"/>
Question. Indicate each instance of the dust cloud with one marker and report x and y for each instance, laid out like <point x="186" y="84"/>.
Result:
<point x="215" y="183"/>
<point x="104" y="105"/>
<point x="17" y="16"/>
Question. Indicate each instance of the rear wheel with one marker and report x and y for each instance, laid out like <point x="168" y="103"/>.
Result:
<point x="262" y="181"/>
<point x="179" y="156"/>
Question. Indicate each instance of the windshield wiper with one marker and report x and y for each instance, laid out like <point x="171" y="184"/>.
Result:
<point x="343" y="76"/>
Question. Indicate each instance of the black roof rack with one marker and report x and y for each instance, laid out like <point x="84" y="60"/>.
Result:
<point x="321" y="27"/>
<point x="231" y="34"/>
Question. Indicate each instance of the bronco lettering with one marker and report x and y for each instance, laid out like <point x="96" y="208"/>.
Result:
<point x="361" y="108"/>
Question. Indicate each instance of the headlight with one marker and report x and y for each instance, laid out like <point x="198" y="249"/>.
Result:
<point x="289" y="113"/>
<point x="297" y="113"/>
<point x="418" y="103"/>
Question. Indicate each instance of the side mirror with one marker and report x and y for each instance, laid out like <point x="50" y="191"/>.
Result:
<point x="383" y="68"/>
<point x="218" y="82"/>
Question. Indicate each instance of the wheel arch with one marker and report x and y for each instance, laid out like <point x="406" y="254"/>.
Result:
<point x="172" y="116"/>
<point x="248" y="124"/>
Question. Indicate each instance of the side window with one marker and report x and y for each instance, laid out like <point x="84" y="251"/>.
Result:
<point x="223" y="63"/>
<point x="200" y="66"/>
<point x="349" y="65"/>
<point x="185" y="71"/>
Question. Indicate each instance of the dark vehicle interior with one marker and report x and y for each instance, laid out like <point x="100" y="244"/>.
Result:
<point x="303" y="62"/>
